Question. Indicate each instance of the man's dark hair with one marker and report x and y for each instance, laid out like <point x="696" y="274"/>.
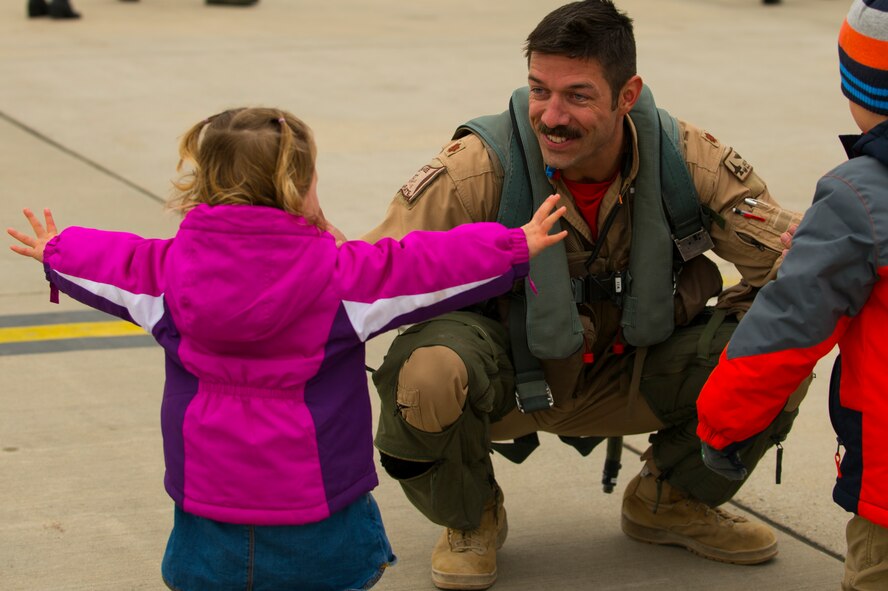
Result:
<point x="589" y="29"/>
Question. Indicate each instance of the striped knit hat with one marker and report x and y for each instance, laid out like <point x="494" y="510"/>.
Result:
<point x="863" y="55"/>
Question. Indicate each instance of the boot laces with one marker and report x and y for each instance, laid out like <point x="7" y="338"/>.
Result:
<point x="470" y="540"/>
<point x="721" y="515"/>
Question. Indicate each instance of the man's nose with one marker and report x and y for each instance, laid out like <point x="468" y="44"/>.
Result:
<point x="554" y="113"/>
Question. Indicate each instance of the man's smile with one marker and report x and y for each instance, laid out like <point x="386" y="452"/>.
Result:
<point x="558" y="135"/>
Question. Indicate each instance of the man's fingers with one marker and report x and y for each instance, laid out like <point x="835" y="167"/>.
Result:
<point x="786" y="237"/>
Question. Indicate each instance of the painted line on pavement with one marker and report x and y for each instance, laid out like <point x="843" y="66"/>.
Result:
<point x="28" y="334"/>
<point x="82" y="158"/>
<point x="54" y="332"/>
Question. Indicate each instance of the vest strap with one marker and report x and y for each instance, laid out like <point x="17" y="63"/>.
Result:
<point x="532" y="393"/>
<point x="705" y="342"/>
<point x="688" y="233"/>
<point x="519" y="449"/>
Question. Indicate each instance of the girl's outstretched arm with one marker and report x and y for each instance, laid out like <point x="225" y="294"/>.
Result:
<point x="537" y="229"/>
<point x="34" y="246"/>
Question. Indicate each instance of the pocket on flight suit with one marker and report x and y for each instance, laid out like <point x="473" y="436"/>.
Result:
<point x="764" y="224"/>
<point x="459" y="480"/>
<point x="454" y="490"/>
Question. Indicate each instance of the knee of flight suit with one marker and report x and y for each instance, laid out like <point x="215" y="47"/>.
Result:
<point x="432" y="388"/>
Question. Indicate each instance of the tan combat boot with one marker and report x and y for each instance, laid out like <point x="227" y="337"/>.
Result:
<point x="681" y="520"/>
<point x="467" y="559"/>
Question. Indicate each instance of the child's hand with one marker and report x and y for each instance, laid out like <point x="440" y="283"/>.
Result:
<point x="537" y="229"/>
<point x="33" y="246"/>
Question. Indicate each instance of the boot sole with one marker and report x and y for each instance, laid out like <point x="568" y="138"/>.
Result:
<point x="658" y="536"/>
<point x="471" y="582"/>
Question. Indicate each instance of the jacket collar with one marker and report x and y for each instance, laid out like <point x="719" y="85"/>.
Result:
<point x="873" y="143"/>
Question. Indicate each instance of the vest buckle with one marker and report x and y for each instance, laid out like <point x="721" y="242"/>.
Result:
<point x="533" y="396"/>
<point x="693" y="245"/>
<point x="597" y="288"/>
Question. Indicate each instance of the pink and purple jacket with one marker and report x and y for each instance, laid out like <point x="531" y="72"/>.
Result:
<point x="266" y="412"/>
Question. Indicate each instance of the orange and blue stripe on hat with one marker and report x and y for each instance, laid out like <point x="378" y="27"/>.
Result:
<point x="863" y="55"/>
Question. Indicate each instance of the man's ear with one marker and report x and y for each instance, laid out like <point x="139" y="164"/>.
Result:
<point x="629" y="94"/>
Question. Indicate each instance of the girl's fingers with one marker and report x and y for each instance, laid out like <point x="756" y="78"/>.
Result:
<point x="546" y="208"/>
<point x="552" y="218"/>
<point x="23" y="238"/>
<point x="555" y="238"/>
<point x="32" y="219"/>
<point x="50" y="222"/>
<point x="554" y="212"/>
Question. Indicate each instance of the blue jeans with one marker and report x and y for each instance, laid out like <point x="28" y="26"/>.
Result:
<point x="348" y="551"/>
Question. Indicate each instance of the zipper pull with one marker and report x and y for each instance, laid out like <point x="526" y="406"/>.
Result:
<point x="779" y="469"/>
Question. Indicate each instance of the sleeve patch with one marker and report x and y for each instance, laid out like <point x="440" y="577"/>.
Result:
<point x="739" y="167"/>
<point x="455" y="147"/>
<point x="419" y="181"/>
<point x="709" y="138"/>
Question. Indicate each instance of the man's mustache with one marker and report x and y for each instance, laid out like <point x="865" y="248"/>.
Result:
<point x="561" y="131"/>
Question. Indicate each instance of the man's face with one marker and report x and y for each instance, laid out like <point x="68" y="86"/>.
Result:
<point x="572" y="115"/>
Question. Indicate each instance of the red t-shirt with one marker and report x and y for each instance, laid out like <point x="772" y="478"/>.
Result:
<point x="588" y="198"/>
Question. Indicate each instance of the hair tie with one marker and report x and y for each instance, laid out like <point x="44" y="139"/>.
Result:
<point x="282" y="121"/>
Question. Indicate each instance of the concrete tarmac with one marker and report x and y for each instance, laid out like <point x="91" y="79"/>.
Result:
<point x="90" y="114"/>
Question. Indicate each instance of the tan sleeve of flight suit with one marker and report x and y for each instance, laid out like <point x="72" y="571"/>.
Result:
<point x="460" y="185"/>
<point x="727" y="184"/>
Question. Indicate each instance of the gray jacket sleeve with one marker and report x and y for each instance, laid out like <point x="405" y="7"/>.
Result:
<point x="828" y="273"/>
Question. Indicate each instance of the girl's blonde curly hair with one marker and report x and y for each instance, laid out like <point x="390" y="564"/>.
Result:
<point x="248" y="156"/>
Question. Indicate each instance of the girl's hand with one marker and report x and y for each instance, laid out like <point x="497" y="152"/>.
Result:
<point x="33" y="246"/>
<point x="537" y="229"/>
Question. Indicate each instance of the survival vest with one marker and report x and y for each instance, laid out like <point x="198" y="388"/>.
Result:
<point x="663" y="185"/>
